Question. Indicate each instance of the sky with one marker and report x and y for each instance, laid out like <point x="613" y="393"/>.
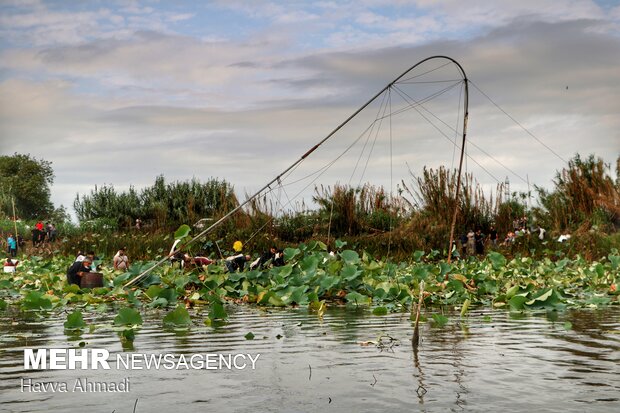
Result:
<point x="119" y="92"/>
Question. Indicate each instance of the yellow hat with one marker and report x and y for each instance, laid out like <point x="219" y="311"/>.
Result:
<point x="237" y="246"/>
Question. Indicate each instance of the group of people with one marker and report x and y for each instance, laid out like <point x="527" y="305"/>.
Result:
<point x="474" y="242"/>
<point x="234" y="263"/>
<point x="42" y="233"/>
<point x="83" y="264"/>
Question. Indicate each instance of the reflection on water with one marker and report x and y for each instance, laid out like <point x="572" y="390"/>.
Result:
<point x="488" y="361"/>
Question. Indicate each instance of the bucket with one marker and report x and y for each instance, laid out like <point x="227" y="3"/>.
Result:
<point x="91" y="280"/>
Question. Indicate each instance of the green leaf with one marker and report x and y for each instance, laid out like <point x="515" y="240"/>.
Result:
<point x="541" y="297"/>
<point x="350" y="272"/>
<point x="121" y="278"/>
<point x="546" y="299"/>
<point x="568" y="325"/>
<point x="74" y="321"/>
<point x="217" y="312"/>
<point x="598" y="301"/>
<point x="128" y="334"/>
<point x="417" y="256"/>
<point x="127" y="317"/>
<point x="169" y="294"/>
<point x="445" y="268"/>
<point x="290" y="253"/>
<point x="350" y="257"/>
<point x="179" y="317"/>
<point x="380" y="311"/>
<point x="357" y="298"/>
<point x="512" y="291"/>
<point x="309" y="264"/>
<point x="498" y="261"/>
<point x="339" y="244"/>
<point x="299" y="295"/>
<point x="439" y="320"/>
<point x="71" y="288"/>
<point x="182" y="232"/>
<point x="249" y="336"/>
<point x="327" y="282"/>
<point x="158" y="302"/>
<point x="101" y="308"/>
<point x="153" y="291"/>
<point x="35" y="301"/>
<point x="517" y="302"/>
<point x="420" y="273"/>
<point x="3" y="304"/>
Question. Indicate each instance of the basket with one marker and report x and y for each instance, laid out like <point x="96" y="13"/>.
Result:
<point x="91" y="280"/>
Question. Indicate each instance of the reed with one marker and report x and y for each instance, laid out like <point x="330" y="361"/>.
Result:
<point x="346" y="210"/>
<point x="584" y="192"/>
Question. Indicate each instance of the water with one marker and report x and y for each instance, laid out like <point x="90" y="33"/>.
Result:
<point x="491" y="361"/>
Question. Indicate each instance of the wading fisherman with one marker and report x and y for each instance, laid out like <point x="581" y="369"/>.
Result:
<point x="264" y="259"/>
<point x="77" y="270"/>
<point x="120" y="260"/>
<point x="278" y="259"/>
<point x="237" y="262"/>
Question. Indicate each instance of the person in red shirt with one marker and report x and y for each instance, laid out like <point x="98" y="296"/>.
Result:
<point x="38" y="234"/>
<point x="201" y="261"/>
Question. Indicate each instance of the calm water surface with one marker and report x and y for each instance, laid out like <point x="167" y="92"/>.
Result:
<point x="489" y="361"/>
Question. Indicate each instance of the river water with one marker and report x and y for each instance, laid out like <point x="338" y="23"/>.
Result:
<point x="350" y="361"/>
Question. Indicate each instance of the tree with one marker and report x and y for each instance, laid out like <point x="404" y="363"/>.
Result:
<point x="27" y="180"/>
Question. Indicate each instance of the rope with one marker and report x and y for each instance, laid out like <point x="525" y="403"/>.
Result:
<point x="372" y="148"/>
<point x="368" y="138"/>
<point x="458" y="115"/>
<point x="424" y="73"/>
<point x="516" y="122"/>
<point x="446" y="136"/>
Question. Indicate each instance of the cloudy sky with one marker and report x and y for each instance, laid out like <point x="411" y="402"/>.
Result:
<point x="118" y="92"/>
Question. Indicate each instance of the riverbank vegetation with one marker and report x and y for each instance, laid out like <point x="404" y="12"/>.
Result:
<point x="584" y="202"/>
<point x="359" y="246"/>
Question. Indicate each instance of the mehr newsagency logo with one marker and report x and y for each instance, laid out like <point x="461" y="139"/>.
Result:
<point x="100" y="359"/>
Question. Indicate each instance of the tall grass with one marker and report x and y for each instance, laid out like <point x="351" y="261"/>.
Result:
<point x="584" y="193"/>
<point x="433" y="196"/>
<point x="345" y="210"/>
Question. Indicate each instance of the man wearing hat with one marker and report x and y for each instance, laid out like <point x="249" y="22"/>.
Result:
<point x="77" y="270"/>
<point x="237" y="262"/>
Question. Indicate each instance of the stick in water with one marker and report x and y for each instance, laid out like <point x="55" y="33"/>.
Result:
<point x="416" y="330"/>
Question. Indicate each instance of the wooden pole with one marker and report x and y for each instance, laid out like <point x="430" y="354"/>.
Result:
<point x="458" y="180"/>
<point x="14" y="221"/>
<point x="415" y="340"/>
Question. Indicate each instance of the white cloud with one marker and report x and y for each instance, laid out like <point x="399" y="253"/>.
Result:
<point x="144" y="102"/>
